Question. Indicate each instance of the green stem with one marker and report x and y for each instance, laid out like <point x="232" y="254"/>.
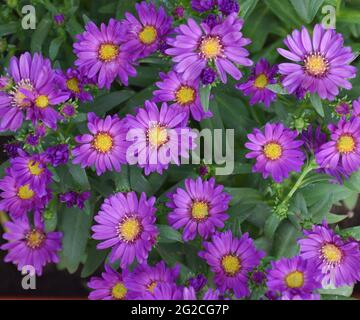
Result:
<point x="310" y="167"/>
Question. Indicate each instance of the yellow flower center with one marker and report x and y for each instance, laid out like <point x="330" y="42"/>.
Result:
<point x="129" y="229"/>
<point x="119" y="291"/>
<point x="295" y="279"/>
<point x="316" y="65"/>
<point x="34" y="238"/>
<point x="148" y="35"/>
<point x="103" y="142"/>
<point x="331" y="253"/>
<point x="42" y="101"/>
<point x="211" y="47"/>
<point x="151" y="287"/>
<point x="25" y="193"/>
<point x="200" y="210"/>
<point x="108" y="52"/>
<point x="73" y="85"/>
<point x="261" y="81"/>
<point x="34" y="168"/>
<point x="185" y="95"/>
<point x="231" y="264"/>
<point x="273" y="151"/>
<point x="346" y="144"/>
<point x="157" y="136"/>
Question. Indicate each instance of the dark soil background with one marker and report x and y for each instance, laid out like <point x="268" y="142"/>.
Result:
<point x="55" y="284"/>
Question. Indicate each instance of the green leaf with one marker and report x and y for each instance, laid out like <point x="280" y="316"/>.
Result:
<point x="168" y="234"/>
<point x="317" y="104"/>
<point x="107" y="102"/>
<point x="277" y="88"/>
<point x="285" y="244"/>
<point x="8" y="29"/>
<point x="307" y="9"/>
<point x="205" y="92"/>
<point x="353" y="232"/>
<point x="75" y="225"/>
<point x="94" y="259"/>
<point x="285" y="12"/>
<point x="55" y="45"/>
<point x="40" y="34"/>
<point x="271" y="225"/>
<point x="79" y="176"/>
<point x="247" y="7"/>
<point x="345" y="291"/>
<point x="332" y="218"/>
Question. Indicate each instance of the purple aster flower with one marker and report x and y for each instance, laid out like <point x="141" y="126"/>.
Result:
<point x="127" y="225"/>
<point x="32" y="140"/>
<point x="337" y="259"/>
<point x="143" y="36"/>
<point x="321" y="63"/>
<point x="295" y="276"/>
<point x="59" y="19"/>
<point x="101" y="55"/>
<point x="277" y="151"/>
<point x="231" y="259"/>
<point x="179" y="12"/>
<point x="212" y="20"/>
<point x="356" y="108"/>
<point x="194" y="48"/>
<point x="256" y="86"/>
<point x="203" y="5"/>
<point x="68" y="110"/>
<point x="12" y="149"/>
<point x="313" y="139"/>
<point x="208" y="76"/>
<point x="81" y="198"/>
<point x="184" y="94"/>
<point x="198" y="282"/>
<point x="73" y="82"/>
<point x="34" y="93"/>
<point x="69" y="198"/>
<point x="343" y="151"/>
<point x="212" y="294"/>
<point x="343" y="108"/>
<point x="105" y="146"/>
<point x="200" y="208"/>
<point x="165" y="291"/>
<point x="258" y="277"/>
<point x="19" y="198"/>
<point x="57" y="155"/>
<point x="30" y="244"/>
<point x="228" y="7"/>
<point x="145" y="279"/>
<point x="160" y="137"/>
<point x="31" y="169"/>
<point x="110" y="286"/>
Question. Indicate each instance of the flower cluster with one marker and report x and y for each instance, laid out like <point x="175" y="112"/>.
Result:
<point x="66" y="155"/>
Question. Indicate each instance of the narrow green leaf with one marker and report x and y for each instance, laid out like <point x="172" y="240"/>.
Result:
<point x="94" y="259"/>
<point x="317" y="104"/>
<point x="168" y="234"/>
<point x="40" y="34"/>
<point x="55" y="45"/>
<point x="307" y="9"/>
<point x="205" y="97"/>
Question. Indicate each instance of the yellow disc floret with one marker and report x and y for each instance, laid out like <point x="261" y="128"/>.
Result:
<point x="129" y="229"/>
<point x="231" y="264"/>
<point x="108" y="52"/>
<point x="42" y="101"/>
<point x="148" y="35"/>
<point x="273" y="151"/>
<point x="25" y="193"/>
<point x="346" y="144"/>
<point x="119" y="291"/>
<point x="294" y="279"/>
<point x="102" y="142"/>
<point x="199" y="210"/>
<point x="185" y="95"/>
